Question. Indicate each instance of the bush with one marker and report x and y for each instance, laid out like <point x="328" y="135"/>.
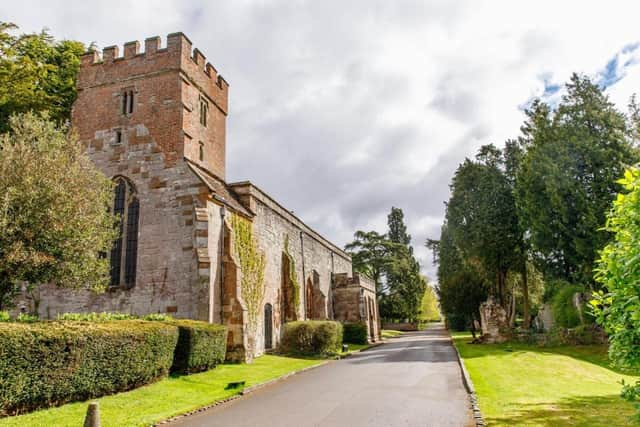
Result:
<point x="96" y="317"/>
<point x="201" y="346"/>
<point x="565" y="313"/>
<point x="4" y="316"/>
<point x="355" y="333"/>
<point x="49" y="363"/>
<point x="312" y="337"/>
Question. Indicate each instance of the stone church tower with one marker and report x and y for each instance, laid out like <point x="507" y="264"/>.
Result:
<point x="155" y="122"/>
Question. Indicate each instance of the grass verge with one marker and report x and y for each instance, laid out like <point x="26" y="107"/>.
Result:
<point x="353" y="348"/>
<point x="389" y="333"/>
<point x="519" y="384"/>
<point x="166" y="398"/>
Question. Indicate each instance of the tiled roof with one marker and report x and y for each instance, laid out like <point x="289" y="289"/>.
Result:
<point x="220" y="188"/>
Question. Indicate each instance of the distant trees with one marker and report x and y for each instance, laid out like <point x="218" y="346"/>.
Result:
<point x="537" y="205"/>
<point x="388" y="259"/>
<point x="37" y="73"/>
<point x="54" y="210"/>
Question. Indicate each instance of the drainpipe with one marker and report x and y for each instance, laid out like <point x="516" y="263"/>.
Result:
<point x="304" y="278"/>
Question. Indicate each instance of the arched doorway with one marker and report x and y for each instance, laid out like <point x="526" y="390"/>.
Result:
<point x="268" y="327"/>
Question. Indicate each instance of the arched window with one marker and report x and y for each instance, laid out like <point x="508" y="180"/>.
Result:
<point x="125" y="249"/>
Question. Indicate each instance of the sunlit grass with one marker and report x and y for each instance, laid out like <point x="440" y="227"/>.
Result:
<point x="519" y="384"/>
<point x="166" y="398"/>
<point x="389" y="333"/>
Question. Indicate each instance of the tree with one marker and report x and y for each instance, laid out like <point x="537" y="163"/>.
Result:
<point x="567" y="178"/>
<point x="481" y="216"/>
<point x="37" y="73"/>
<point x="370" y="255"/>
<point x="389" y="261"/>
<point x="54" y="210"/>
<point x="617" y="306"/>
<point x="462" y="285"/>
<point x="397" y="228"/>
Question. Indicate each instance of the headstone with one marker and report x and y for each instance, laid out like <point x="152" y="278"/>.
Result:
<point x="495" y="325"/>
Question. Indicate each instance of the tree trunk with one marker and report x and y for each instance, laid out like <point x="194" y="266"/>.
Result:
<point x="525" y="296"/>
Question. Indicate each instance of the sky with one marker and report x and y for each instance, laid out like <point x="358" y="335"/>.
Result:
<point x="342" y="109"/>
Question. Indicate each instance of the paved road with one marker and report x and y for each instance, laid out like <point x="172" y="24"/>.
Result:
<point x="413" y="380"/>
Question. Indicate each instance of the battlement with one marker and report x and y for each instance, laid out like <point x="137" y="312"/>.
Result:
<point x="178" y="54"/>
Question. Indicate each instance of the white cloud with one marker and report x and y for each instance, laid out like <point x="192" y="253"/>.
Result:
<point x="342" y="109"/>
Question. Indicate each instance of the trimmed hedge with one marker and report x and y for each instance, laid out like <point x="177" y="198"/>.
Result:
<point x="312" y="337"/>
<point x="355" y="333"/>
<point x="49" y="363"/>
<point x="201" y="346"/>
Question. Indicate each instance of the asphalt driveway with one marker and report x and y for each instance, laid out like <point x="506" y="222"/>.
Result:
<point x="413" y="380"/>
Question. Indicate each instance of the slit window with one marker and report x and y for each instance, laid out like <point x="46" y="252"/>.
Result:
<point x="118" y="136"/>
<point x="127" y="101"/>
<point x="204" y="111"/>
<point x="201" y="151"/>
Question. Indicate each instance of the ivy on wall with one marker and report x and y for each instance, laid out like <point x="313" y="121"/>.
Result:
<point x="292" y="275"/>
<point x="252" y="264"/>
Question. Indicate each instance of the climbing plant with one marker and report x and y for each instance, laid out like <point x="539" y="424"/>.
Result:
<point x="252" y="264"/>
<point x="292" y="275"/>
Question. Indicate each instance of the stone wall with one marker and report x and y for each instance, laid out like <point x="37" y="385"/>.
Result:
<point x="275" y="227"/>
<point x="167" y="278"/>
<point x="354" y="300"/>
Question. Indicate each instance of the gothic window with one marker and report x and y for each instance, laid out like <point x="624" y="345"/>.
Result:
<point x="127" y="101"/>
<point x="124" y="252"/>
<point x="204" y="111"/>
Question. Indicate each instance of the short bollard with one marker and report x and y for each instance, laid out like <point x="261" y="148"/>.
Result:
<point x="93" y="415"/>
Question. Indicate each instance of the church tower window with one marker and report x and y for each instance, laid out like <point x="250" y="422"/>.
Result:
<point x="124" y="252"/>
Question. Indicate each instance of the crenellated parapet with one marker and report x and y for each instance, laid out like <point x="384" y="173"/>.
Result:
<point x="178" y="55"/>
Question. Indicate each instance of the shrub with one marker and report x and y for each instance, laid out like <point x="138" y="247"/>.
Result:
<point x="312" y="337"/>
<point x="26" y="318"/>
<point x="157" y="317"/>
<point x="4" y="316"/>
<point x="49" y="363"/>
<point x="355" y="333"/>
<point x="565" y="313"/>
<point x="201" y="346"/>
<point x="96" y="317"/>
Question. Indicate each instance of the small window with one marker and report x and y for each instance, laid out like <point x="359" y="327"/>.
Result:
<point x="127" y="101"/>
<point x="118" y="139"/>
<point x="204" y="111"/>
<point x="201" y="151"/>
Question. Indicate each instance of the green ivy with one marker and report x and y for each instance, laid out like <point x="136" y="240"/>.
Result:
<point x="252" y="264"/>
<point x="292" y="275"/>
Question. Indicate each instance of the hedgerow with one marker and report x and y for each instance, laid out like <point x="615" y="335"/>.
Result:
<point x="49" y="363"/>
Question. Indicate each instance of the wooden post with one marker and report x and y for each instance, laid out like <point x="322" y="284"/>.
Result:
<point x="92" y="418"/>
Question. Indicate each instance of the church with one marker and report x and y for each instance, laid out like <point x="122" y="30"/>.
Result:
<point x="191" y="244"/>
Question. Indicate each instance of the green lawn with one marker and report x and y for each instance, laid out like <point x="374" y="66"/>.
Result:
<point x="519" y="384"/>
<point x="166" y="398"/>
<point x="389" y="333"/>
